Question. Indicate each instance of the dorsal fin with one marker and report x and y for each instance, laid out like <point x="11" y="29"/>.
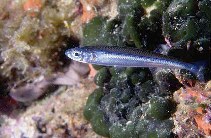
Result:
<point x="127" y="50"/>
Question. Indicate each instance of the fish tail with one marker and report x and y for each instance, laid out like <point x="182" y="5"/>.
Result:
<point x="198" y="69"/>
<point x="200" y="74"/>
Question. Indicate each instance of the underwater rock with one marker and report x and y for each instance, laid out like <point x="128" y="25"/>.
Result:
<point x="120" y="106"/>
<point x="160" y="108"/>
<point x="193" y="106"/>
<point x="133" y="102"/>
<point x="34" y="90"/>
<point x="155" y="128"/>
<point x="7" y="107"/>
<point x="81" y="69"/>
<point x="145" y="90"/>
<point x="94" y="114"/>
<point x="167" y="81"/>
<point x="57" y="115"/>
<point x="29" y="92"/>
<point x="134" y="26"/>
<point x="72" y="74"/>
<point x="33" y="42"/>
<point x="186" y="24"/>
<point x="103" y="76"/>
<point x="3" y="86"/>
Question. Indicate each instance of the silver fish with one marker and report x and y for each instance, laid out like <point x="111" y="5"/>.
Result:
<point x="128" y="57"/>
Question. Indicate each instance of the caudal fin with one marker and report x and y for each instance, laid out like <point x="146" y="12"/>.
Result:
<point x="199" y="70"/>
<point x="200" y="74"/>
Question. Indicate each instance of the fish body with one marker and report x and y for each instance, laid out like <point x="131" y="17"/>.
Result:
<point x="127" y="57"/>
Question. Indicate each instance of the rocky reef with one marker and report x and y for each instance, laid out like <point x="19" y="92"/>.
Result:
<point x="127" y="102"/>
<point x="34" y="36"/>
<point x="186" y="24"/>
<point x="138" y="102"/>
<point x="126" y="107"/>
<point x="192" y="118"/>
<point x="136" y="24"/>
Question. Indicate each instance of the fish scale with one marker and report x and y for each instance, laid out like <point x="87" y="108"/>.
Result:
<point x="128" y="57"/>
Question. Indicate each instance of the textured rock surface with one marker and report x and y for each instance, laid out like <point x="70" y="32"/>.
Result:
<point x="58" y="115"/>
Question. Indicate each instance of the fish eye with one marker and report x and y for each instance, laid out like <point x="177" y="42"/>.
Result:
<point x="76" y="54"/>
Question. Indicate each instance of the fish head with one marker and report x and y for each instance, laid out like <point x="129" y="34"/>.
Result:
<point x="80" y="55"/>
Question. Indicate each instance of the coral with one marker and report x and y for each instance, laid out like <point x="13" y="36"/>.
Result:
<point x="203" y="121"/>
<point x="192" y="118"/>
<point x="32" y="6"/>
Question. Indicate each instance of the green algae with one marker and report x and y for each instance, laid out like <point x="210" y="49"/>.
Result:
<point x="125" y="105"/>
<point x="136" y="103"/>
<point x="154" y="129"/>
<point x="132" y="27"/>
<point x="92" y="31"/>
<point x="99" y="31"/>
<point x="127" y="131"/>
<point x="99" y="124"/>
<point x="188" y="21"/>
<point x="93" y="113"/>
<point x="103" y="76"/>
<point x="160" y="108"/>
<point x="93" y="103"/>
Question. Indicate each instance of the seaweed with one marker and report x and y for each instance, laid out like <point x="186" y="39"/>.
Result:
<point x="186" y="24"/>
<point x="129" y="97"/>
<point x="135" y="26"/>
<point x="33" y="42"/>
<point x="123" y="105"/>
<point x="135" y="102"/>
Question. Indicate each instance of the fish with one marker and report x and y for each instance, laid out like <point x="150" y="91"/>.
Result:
<point x="129" y="57"/>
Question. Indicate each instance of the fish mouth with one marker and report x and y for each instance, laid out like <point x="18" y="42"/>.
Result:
<point x="68" y="53"/>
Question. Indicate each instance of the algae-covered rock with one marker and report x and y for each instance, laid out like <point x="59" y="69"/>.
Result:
<point x="136" y="103"/>
<point x="123" y="131"/>
<point x="188" y="24"/>
<point x="145" y="90"/>
<point x="122" y="106"/>
<point x="103" y="76"/>
<point x="33" y="41"/>
<point x="135" y="26"/>
<point x="160" y="108"/>
<point x="168" y="83"/>
<point x="93" y="103"/>
<point x="154" y="128"/>
<point x="100" y="31"/>
<point x="99" y="124"/>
